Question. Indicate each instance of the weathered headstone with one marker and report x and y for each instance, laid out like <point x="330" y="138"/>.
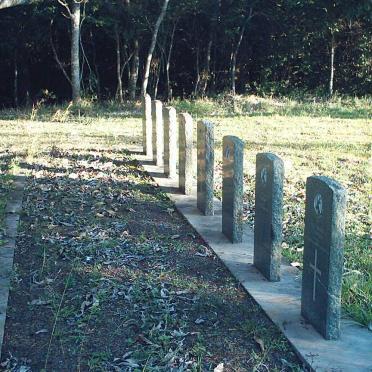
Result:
<point x="170" y="141"/>
<point x="268" y="230"/>
<point x="185" y="143"/>
<point x="323" y="255"/>
<point x="147" y="125"/>
<point x="157" y="132"/>
<point x="232" y="188"/>
<point x="205" y="167"/>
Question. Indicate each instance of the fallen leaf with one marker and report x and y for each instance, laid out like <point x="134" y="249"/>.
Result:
<point x="179" y="334"/>
<point x="144" y="340"/>
<point x="45" y="281"/>
<point x="219" y="368"/>
<point x="296" y="264"/>
<point x="131" y="363"/>
<point x="170" y="211"/>
<point x="260" y="342"/>
<point x="39" y="302"/>
<point x="41" y="331"/>
<point x="111" y="212"/>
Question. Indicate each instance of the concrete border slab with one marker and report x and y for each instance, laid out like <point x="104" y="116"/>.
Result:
<point x="12" y="216"/>
<point x="281" y="301"/>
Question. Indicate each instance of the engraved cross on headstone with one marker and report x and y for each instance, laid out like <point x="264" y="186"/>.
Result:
<point x="316" y="271"/>
<point x="227" y="152"/>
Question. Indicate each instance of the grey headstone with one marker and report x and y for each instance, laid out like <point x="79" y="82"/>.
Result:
<point x="205" y="167"/>
<point x="147" y="125"/>
<point x="185" y="139"/>
<point x="232" y="188"/>
<point x="268" y="231"/>
<point x="323" y="255"/>
<point x="157" y="132"/>
<point x="170" y="141"/>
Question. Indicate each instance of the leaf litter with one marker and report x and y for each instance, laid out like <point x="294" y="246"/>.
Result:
<point x="122" y="285"/>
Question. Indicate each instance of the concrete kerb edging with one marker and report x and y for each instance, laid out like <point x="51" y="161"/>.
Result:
<point x="281" y="301"/>
<point x="12" y="216"/>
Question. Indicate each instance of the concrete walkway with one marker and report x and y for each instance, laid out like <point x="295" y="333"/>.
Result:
<point x="12" y="215"/>
<point x="282" y="300"/>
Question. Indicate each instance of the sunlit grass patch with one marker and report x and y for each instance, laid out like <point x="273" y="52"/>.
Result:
<point x="312" y="136"/>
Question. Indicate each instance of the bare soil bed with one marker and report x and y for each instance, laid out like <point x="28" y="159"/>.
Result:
<point x="108" y="277"/>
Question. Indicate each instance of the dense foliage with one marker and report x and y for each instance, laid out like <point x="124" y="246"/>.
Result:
<point x="203" y="47"/>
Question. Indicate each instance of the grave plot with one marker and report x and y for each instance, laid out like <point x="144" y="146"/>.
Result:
<point x="108" y="275"/>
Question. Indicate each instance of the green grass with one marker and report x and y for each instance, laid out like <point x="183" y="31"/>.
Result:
<point x="312" y="136"/>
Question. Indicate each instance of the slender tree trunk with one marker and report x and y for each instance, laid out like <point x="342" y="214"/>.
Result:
<point x="157" y="78"/>
<point x="26" y="84"/>
<point x="206" y="70"/>
<point x="167" y="66"/>
<point x="134" y="72"/>
<point x="75" y="51"/>
<point x="15" y="79"/>
<point x="197" y="82"/>
<point x="152" y="46"/>
<point x="118" y="67"/>
<point x="96" y="71"/>
<point x="331" y="79"/>
<point x="234" y="55"/>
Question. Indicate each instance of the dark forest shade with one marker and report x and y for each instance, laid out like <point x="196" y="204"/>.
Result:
<point x="287" y="47"/>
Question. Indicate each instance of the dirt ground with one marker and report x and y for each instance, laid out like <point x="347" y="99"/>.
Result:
<point x="109" y="277"/>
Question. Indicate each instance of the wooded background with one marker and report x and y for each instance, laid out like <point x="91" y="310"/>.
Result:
<point x="203" y="47"/>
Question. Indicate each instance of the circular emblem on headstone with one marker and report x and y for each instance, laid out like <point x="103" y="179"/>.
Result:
<point x="264" y="176"/>
<point x="318" y="204"/>
<point x="227" y="152"/>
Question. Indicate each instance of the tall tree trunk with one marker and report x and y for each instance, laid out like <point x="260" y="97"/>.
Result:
<point x="15" y="79"/>
<point x="205" y="72"/>
<point x="75" y="51"/>
<point x="157" y="78"/>
<point x="167" y="66"/>
<point x="331" y="78"/>
<point x="96" y="70"/>
<point x="205" y="76"/>
<point x="234" y="55"/>
<point x="152" y="46"/>
<point x="134" y="72"/>
<point x="197" y="81"/>
<point x="118" y="67"/>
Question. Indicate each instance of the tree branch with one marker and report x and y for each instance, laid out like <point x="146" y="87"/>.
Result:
<point x="56" y="55"/>
<point x="10" y="3"/>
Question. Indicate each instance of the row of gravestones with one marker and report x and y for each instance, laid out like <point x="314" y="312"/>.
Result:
<point x="324" y="215"/>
